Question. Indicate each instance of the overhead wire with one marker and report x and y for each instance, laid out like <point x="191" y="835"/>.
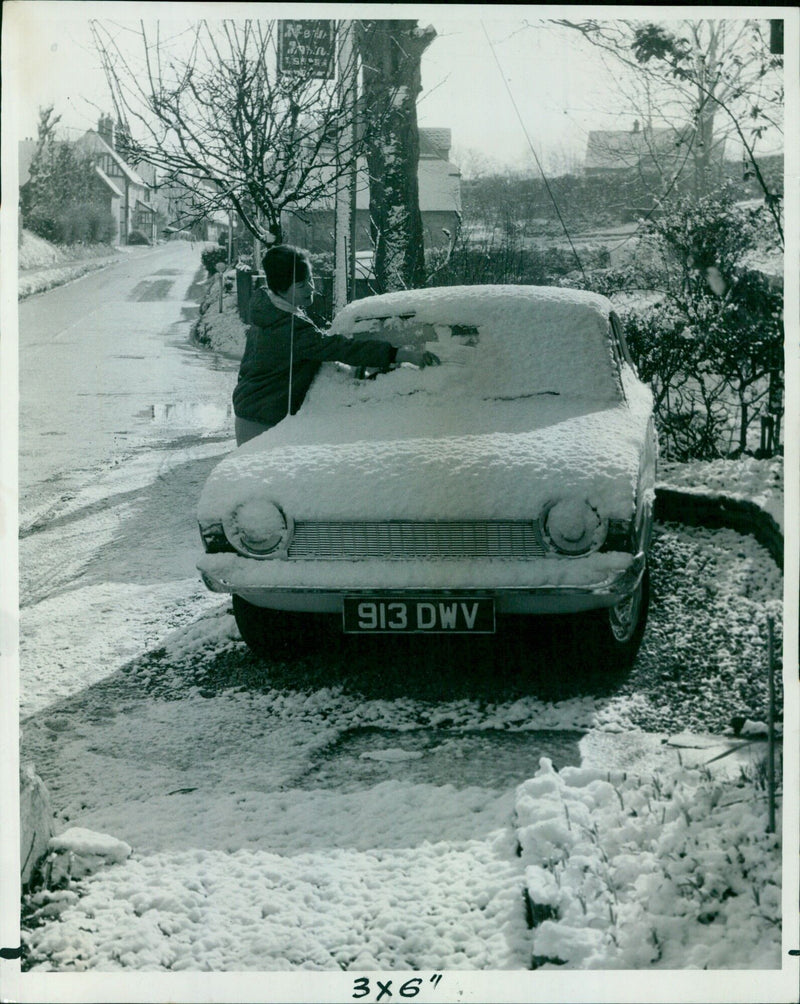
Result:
<point x="649" y="214"/>
<point x="535" y="156"/>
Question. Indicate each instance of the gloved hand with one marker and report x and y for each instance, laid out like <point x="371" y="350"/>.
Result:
<point x="417" y="358"/>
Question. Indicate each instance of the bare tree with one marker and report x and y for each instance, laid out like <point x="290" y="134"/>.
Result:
<point x="209" y="108"/>
<point x="738" y="80"/>
<point x="391" y="53"/>
<point x="714" y="78"/>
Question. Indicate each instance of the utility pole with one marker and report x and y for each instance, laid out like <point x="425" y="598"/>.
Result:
<point x="344" y="252"/>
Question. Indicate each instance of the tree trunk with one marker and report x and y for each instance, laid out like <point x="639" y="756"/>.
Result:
<point x="744" y="421"/>
<point x="705" y="72"/>
<point x="391" y="52"/>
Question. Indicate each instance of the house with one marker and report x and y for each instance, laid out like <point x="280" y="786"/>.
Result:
<point x="439" y="202"/>
<point x="119" y="189"/>
<point x="439" y="187"/>
<point x="129" y="197"/>
<point x="635" y="150"/>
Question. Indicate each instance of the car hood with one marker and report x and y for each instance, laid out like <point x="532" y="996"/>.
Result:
<point x="492" y="459"/>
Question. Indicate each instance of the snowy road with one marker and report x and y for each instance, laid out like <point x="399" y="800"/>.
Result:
<point x="105" y="370"/>
<point x="351" y="805"/>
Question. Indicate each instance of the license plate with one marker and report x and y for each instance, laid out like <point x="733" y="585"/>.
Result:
<point x="418" y="615"/>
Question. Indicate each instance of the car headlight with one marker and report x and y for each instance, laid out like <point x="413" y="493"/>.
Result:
<point x="573" y="526"/>
<point x="258" y="529"/>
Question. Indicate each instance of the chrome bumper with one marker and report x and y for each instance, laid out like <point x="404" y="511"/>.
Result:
<point x="508" y="599"/>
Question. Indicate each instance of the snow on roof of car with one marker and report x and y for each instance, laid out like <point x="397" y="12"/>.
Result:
<point x="531" y="338"/>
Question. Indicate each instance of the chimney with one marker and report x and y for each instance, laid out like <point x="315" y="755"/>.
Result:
<point x="105" y="129"/>
<point x="635" y="125"/>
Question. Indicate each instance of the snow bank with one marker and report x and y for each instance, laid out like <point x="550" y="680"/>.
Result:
<point x="36" y="252"/>
<point x="221" y="331"/>
<point x="670" y="872"/>
<point x="211" y="912"/>
<point x="43" y="265"/>
<point x="77" y="852"/>
<point x="35" y="820"/>
<point x="749" y="479"/>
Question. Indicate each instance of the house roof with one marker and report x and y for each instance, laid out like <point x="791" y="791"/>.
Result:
<point x="434" y="142"/>
<point x="618" y="149"/>
<point x="95" y="143"/>
<point x="90" y="142"/>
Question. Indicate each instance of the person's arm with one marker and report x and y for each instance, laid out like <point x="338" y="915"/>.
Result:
<point x="416" y="357"/>
<point x="310" y="343"/>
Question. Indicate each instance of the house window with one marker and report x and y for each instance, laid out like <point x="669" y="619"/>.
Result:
<point x="107" y="164"/>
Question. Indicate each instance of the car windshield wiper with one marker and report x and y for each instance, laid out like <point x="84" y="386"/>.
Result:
<point x="519" y="397"/>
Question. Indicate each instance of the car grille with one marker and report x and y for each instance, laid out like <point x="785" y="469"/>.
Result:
<point x="405" y="540"/>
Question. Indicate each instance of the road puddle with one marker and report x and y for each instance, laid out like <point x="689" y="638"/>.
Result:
<point x="493" y="759"/>
<point x="188" y="414"/>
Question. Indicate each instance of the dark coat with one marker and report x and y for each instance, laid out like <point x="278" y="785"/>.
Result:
<point x="262" y="393"/>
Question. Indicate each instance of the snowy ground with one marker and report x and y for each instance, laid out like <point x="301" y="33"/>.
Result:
<point x="43" y="265"/>
<point x="390" y="873"/>
<point x="201" y="829"/>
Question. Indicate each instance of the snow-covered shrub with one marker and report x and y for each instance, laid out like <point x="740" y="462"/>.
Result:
<point x="634" y="872"/>
<point x="713" y="348"/>
<point x="690" y="407"/>
<point x="137" y="237"/>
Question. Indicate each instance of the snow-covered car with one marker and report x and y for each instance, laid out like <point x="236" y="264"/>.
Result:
<point x="518" y="477"/>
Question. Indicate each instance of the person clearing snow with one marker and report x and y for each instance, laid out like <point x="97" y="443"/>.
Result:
<point x="285" y="349"/>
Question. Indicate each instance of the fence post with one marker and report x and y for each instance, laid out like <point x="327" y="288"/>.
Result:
<point x="771" y="725"/>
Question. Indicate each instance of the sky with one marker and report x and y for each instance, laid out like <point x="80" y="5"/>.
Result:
<point x="500" y="77"/>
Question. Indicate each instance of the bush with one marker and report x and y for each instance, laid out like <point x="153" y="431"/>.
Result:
<point x="689" y="409"/>
<point x="507" y="259"/>
<point x="80" y="223"/>
<point x="733" y="313"/>
<point x="87" y="224"/>
<point x="101" y="227"/>
<point x="45" y="226"/>
<point x="212" y="256"/>
<point x="137" y="237"/>
<point x="713" y="350"/>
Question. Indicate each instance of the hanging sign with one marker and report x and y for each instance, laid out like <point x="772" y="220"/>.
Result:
<point x="307" y="48"/>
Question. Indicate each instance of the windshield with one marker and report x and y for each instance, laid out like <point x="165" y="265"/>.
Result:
<point x="497" y="343"/>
